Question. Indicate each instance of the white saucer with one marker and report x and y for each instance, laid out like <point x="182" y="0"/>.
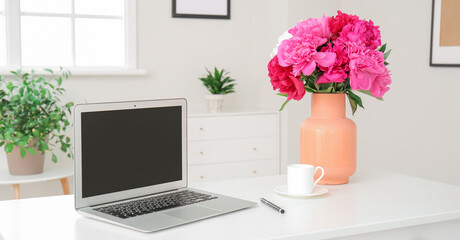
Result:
<point x="284" y="191"/>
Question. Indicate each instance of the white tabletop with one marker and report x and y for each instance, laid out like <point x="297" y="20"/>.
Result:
<point x="50" y="172"/>
<point x="372" y="201"/>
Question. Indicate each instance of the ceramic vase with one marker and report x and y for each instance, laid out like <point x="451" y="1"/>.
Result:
<point x="328" y="139"/>
<point x="215" y="102"/>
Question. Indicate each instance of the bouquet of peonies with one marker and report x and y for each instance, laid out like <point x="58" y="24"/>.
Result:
<point x="331" y="55"/>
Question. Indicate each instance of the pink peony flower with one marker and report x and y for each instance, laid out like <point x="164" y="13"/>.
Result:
<point x="340" y="49"/>
<point x="333" y="74"/>
<point x="318" y="27"/>
<point x="337" y="23"/>
<point x="300" y="53"/>
<point x="361" y="32"/>
<point x="337" y="72"/>
<point x="380" y="84"/>
<point x="368" y="71"/>
<point x="282" y="78"/>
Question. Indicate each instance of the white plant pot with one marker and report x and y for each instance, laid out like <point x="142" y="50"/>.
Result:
<point x="215" y="102"/>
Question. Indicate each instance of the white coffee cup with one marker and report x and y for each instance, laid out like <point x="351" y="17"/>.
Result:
<point x="300" y="178"/>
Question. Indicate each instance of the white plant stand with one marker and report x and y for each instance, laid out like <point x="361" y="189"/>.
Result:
<point x="61" y="172"/>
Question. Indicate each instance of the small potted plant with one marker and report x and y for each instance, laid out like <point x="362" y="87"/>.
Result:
<point x="218" y="85"/>
<point x="31" y="119"/>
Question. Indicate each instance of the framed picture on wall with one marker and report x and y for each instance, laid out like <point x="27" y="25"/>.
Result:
<point x="445" y="33"/>
<point x="214" y="9"/>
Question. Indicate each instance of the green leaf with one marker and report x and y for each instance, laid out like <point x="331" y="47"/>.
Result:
<point x="352" y="104"/>
<point x="383" y="47"/>
<point x="59" y="81"/>
<point x="309" y="83"/>
<point x="49" y="70"/>
<point x="9" y="86"/>
<point x="9" y="147"/>
<point x="43" y="146"/>
<point x="284" y="104"/>
<point x="1" y="143"/>
<point x="25" y="76"/>
<point x="7" y="136"/>
<point x="23" y="152"/>
<point x="315" y="83"/>
<point x="340" y="87"/>
<point x="31" y="151"/>
<point x="54" y="158"/>
<point x="35" y="133"/>
<point x="367" y="92"/>
<point x="326" y="87"/>
<point x="355" y="98"/>
<point x="309" y="90"/>
<point x="385" y="56"/>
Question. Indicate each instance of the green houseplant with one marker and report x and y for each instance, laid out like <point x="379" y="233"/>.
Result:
<point x="32" y="120"/>
<point x="218" y="84"/>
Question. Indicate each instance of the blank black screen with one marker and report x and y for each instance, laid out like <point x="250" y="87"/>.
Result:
<point x="127" y="149"/>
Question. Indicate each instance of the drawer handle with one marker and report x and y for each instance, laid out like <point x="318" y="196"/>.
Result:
<point x="254" y="171"/>
<point x="201" y="129"/>
<point x="201" y="177"/>
<point x="201" y="153"/>
<point x="254" y="149"/>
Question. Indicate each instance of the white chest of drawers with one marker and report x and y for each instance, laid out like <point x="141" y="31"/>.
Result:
<point x="233" y="145"/>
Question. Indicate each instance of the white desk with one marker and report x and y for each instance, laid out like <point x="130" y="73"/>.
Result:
<point x="398" y="206"/>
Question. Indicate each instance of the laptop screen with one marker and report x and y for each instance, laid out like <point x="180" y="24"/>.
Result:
<point x="128" y="149"/>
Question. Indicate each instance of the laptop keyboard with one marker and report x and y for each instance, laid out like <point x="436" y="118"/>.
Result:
<point x="154" y="204"/>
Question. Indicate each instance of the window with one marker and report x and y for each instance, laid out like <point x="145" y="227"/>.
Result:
<point x="77" y="34"/>
<point x="2" y="34"/>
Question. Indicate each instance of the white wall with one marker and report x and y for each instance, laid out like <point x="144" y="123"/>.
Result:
<point x="413" y="131"/>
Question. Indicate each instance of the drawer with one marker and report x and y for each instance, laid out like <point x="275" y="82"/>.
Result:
<point x="224" y="171"/>
<point x="231" y="150"/>
<point x="221" y="127"/>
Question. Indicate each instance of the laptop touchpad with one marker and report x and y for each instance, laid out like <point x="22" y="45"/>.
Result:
<point x="192" y="212"/>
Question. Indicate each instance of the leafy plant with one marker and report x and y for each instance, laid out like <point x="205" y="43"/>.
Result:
<point x="219" y="82"/>
<point x="29" y="111"/>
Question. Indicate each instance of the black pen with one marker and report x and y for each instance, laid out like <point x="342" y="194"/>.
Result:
<point x="272" y="205"/>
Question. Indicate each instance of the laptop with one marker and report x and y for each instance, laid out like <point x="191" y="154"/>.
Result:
<point x="131" y="166"/>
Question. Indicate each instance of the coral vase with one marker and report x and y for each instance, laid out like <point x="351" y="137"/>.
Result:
<point x="328" y="139"/>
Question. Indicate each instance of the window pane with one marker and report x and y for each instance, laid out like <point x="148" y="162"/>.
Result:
<point x="99" y="42"/>
<point x="46" y="6"/>
<point x="100" y="7"/>
<point x="46" y="41"/>
<point x="2" y="5"/>
<point x="2" y="41"/>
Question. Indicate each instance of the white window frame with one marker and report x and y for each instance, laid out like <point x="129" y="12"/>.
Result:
<point x="13" y="40"/>
<point x="2" y="13"/>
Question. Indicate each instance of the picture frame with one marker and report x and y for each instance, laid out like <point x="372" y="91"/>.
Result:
<point x="445" y="35"/>
<point x="210" y="9"/>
